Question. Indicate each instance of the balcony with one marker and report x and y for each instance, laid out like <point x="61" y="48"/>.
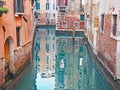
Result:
<point x="62" y="9"/>
<point x="19" y="10"/>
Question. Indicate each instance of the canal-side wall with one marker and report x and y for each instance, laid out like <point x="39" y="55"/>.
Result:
<point x="103" y="19"/>
<point x="21" y="56"/>
<point x="14" y="48"/>
<point x="2" y="73"/>
<point x="107" y="46"/>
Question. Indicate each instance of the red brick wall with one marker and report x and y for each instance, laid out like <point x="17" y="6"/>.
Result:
<point x="2" y="73"/>
<point x="70" y="21"/>
<point x="29" y="17"/>
<point x="21" y="56"/>
<point x="91" y="37"/>
<point x="9" y="21"/>
<point x="107" y="46"/>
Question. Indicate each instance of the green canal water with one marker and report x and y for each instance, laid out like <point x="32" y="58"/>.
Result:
<point x="74" y="67"/>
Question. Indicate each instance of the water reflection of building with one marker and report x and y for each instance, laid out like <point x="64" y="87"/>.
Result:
<point x="67" y="58"/>
<point x="75" y="69"/>
<point x="47" y="52"/>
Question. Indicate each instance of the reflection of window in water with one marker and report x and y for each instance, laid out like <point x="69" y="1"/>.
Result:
<point x="62" y="64"/>
<point x="53" y="46"/>
<point x="47" y="59"/>
<point x="47" y="32"/>
<point x="47" y="47"/>
<point x="47" y="37"/>
<point x="53" y="15"/>
<point x="53" y="37"/>
<point x="64" y="24"/>
<point x="47" y="67"/>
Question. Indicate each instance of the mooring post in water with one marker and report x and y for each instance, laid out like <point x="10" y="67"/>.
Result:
<point x="73" y="33"/>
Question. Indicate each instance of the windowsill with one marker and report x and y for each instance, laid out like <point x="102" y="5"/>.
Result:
<point x="115" y="37"/>
<point x="101" y="31"/>
<point x="18" y="47"/>
<point x="82" y="21"/>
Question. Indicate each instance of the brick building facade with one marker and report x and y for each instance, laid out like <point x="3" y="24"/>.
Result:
<point x="70" y="15"/>
<point x="46" y="12"/>
<point x="102" y="30"/>
<point x="16" y="28"/>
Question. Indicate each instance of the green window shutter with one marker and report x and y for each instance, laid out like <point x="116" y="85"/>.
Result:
<point x="82" y="17"/>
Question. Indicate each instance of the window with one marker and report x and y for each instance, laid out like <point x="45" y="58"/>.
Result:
<point x="82" y="17"/>
<point x="102" y="23"/>
<point x="76" y="24"/>
<point x="19" y="2"/>
<point x="18" y="6"/>
<point x="54" y="15"/>
<point x="18" y="36"/>
<point x="114" y="24"/>
<point x="64" y="24"/>
<point x="47" y="6"/>
<point x="37" y="6"/>
<point x="66" y="2"/>
<point x="53" y="6"/>
<point x="88" y="23"/>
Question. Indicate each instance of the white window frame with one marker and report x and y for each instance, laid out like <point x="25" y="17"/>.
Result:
<point x="64" y="26"/>
<point x="77" y="23"/>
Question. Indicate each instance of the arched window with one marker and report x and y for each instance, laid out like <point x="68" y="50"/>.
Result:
<point x="76" y="24"/>
<point x="64" y="24"/>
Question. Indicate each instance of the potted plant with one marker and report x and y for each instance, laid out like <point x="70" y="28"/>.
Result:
<point x="3" y="10"/>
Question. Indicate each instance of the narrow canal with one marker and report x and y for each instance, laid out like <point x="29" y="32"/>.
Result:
<point x="62" y="63"/>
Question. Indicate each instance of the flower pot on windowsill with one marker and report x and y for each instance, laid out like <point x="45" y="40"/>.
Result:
<point x="3" y="10"/>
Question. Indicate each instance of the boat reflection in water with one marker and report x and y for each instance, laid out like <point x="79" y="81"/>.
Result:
<point x="45" y="82"/>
